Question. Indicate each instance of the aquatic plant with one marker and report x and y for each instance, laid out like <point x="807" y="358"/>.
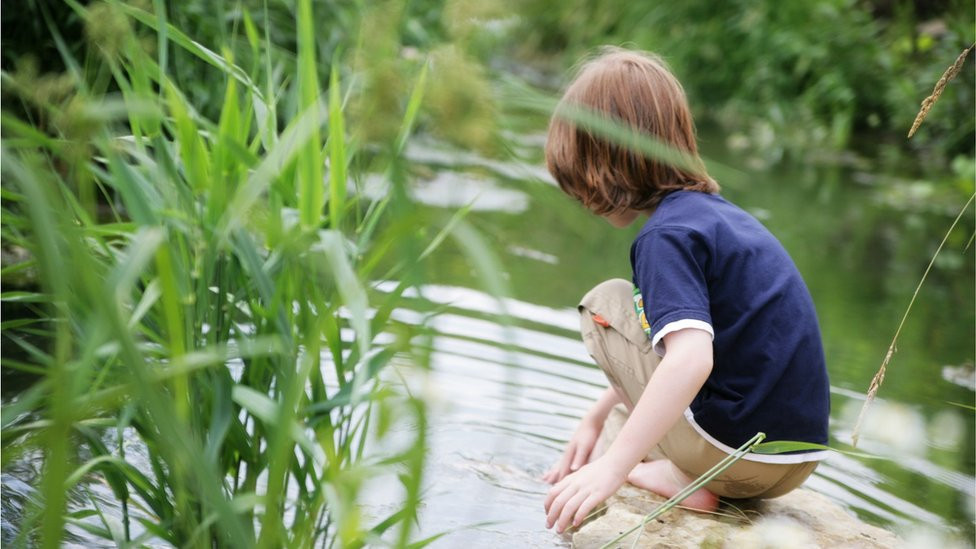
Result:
<point x="203" y="336"/>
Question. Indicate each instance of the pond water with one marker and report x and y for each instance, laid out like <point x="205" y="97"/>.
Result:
<point x="506" y="394"/>
<point x="507" y="398"/>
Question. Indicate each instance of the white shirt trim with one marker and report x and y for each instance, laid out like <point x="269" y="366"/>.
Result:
<point x="658" y="341"/>
<point x="761" y="458"/>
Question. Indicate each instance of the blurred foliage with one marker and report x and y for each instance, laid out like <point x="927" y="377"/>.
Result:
<point x="380" y="41"/>
<point x="798" y="79"/>
<point x="792" y="77"/>
<point x="194" y="321"/>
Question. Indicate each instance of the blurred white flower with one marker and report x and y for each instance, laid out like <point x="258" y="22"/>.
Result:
<point x="947" y="429"/>
<point x="894" y="424"/>
<point x="920" y="536"/>
<point x="773" y="533"/>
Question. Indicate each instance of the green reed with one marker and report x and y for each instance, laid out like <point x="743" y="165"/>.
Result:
<point x="208" y="332"/>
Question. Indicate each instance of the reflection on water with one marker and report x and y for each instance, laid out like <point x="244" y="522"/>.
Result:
<point x="450" y="190"/>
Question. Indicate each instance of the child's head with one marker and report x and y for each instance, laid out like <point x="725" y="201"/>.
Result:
<point x="638" y="90"/>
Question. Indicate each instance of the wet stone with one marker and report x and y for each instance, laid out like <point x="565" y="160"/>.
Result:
<point x="800" y="519"/>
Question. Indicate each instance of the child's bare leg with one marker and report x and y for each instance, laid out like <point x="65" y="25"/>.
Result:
<point x="664" y="479"/>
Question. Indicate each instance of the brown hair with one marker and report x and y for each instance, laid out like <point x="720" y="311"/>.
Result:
<point x="635" y="89"/>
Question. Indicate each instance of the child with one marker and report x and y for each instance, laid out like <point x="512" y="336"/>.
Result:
<point x="725" y="341"/>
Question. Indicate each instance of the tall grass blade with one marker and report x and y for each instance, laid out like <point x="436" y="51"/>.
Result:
<point x="291" y="144"/>
<point x="878" y="378"/>
<point x="413" y="108"/>
<point x="333" y="246"/>
<point x="486" y="263"/>
<point x="193" y="151"/>
<point x="311" y="197"/>
<point x="172" y="302"/>
<point x="162" y="35"/>
<point x="522" y="95"/>
<point x="337" y="151"/>
<point x="45" y="222"/>
<point x="225" y="165"/>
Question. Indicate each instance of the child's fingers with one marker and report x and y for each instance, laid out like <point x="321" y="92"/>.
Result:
<point x="553" y="475"/>
<point x="551" y="496"/>
<point x="569" y="510"/>
<point x="560" y="494"/>
<point x="550" y="476"/>
<point x="567" y="460"/>
<point x="580" y="458"/>
<point x="557" y="490"/>
<point x="588" y="505"/>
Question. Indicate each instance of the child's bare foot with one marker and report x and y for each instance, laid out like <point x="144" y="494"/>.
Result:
<point x="664" y="479"/>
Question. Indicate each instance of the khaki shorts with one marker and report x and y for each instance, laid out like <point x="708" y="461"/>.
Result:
<point x="623" y="351"/>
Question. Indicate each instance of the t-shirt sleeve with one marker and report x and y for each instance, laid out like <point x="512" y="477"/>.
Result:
<point x="670" y="270"/>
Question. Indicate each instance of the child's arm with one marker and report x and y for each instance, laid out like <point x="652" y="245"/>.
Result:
<point x="580" y="446"/>
<point x="675" y="382"/>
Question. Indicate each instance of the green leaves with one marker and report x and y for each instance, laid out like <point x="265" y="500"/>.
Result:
<point x="310" y="184"/>
<point x="337" y="151"/>
<point x="334" y="250"/>
<point x="256" y="403"/>
<point x="291" y="145"/>
<point x="199" y="303"/>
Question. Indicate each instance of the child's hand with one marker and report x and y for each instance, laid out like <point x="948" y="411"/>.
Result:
<point x="572" y="499"/>
<point x="578" y="450"/>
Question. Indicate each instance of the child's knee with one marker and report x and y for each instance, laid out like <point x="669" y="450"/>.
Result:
<point x="610" y="304"/>
<point x="611" y="292"/>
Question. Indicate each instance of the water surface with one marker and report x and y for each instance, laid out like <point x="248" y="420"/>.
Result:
<point x="510" y="397"/>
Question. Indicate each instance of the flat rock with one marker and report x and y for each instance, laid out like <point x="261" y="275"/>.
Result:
<point x="800" y="519"/>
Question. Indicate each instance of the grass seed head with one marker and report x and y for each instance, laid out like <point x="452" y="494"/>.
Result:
<point x="460" y="101"/>
<point x="940" y="86"/>
<point x="376" y="109"/>
<point x="107" y="28"/>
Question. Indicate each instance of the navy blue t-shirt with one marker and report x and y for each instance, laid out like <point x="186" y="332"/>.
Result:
<point x="702" y="262"/>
